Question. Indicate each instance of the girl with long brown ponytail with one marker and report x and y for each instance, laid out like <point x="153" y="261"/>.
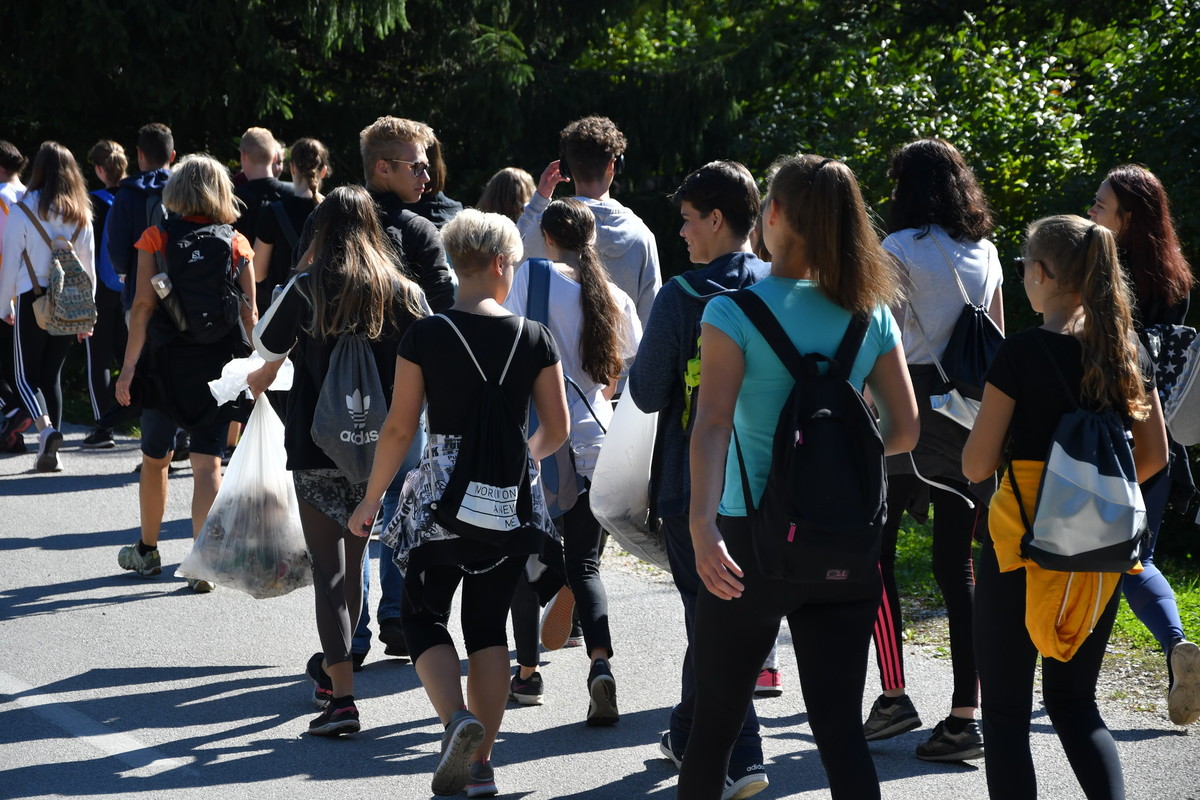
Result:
<point x="596" y="326"/>
<point x="1074" y="280"/>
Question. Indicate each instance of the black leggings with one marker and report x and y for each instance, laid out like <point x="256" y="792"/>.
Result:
<point x="1007" y="663"/>
<point x="729" y="644"/>
<point x="337" y="557"/>
<point x="486" y="597"/>
<point x="582" y="538"/>
<point x="38" y="358"/>
<point x="105" y="347"/>
<point x="954" y="529"/>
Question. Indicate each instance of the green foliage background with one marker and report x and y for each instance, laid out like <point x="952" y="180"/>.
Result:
<point x="1041" y="96"/>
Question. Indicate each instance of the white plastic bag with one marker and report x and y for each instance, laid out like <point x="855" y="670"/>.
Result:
<point x="233" y="380"/>
<point x="252" y="540"/>
<point x="621" y="483"/>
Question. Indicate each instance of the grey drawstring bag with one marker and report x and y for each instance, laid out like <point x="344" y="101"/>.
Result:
<point x="1090" y="515"/>
<point x="350" y="409"/>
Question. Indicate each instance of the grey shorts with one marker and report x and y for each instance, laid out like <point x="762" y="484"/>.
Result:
<point x="328" y="491"/>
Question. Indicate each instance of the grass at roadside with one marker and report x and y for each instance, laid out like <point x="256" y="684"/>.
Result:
<point x="920" y="596"/>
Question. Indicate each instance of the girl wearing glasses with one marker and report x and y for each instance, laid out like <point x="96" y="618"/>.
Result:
<point x="1073" y="279"/>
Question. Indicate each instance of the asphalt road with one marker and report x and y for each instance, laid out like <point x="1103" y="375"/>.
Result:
<point x="117" y="686"/>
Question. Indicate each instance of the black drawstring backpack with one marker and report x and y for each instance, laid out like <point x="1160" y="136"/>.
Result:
<point x="488" y="497"/>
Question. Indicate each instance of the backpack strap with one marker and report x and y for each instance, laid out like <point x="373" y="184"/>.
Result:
<point x="160" y="255"/>
<point x="957" y="278"/>
<point x="852" y="342"/>
<point x="765" y="321"/>
<point x="471" y="353"/>
<point x="537" y="297"/>
<point x="37" y="289"/>
<point x="37" y="223"/>
<point x="285" y="224"/>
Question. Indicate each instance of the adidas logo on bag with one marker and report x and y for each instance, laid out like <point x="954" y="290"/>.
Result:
<point x="358" y="405"/>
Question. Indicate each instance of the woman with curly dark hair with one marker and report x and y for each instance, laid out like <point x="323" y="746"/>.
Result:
<point x="1132" y="203"/>
<point x="938" y="228"/>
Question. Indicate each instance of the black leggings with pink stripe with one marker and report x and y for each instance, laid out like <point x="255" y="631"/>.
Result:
<point x="954" y="527"/>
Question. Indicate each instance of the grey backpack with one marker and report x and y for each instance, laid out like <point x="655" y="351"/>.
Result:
<point x="350" y="409"/>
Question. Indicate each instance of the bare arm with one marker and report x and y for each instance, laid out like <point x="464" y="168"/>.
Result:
<point x="408" y="394"/>
<point x="1150" y="451"/>
<point x="892" y="394"/>
<point x="721" y="356"/>
<point x="550" y="401"/>
<point x="985" y="446"/>
<point x="996" y="309"/>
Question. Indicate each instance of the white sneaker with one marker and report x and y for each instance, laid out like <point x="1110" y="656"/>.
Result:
<point x="49" y="440"/>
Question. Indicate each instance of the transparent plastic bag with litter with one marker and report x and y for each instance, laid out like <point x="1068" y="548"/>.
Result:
<point x="252" y="540"/>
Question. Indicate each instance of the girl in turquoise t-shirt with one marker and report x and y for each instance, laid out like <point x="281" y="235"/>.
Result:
<point x="828" y="265"/>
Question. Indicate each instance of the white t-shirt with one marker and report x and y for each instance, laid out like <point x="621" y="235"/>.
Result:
<point x="565" y="323"/>
<point x="933" y="294"/>
<point x="21" y="236"/>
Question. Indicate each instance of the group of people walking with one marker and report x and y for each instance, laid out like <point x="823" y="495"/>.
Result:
<point x="531" y="306"/>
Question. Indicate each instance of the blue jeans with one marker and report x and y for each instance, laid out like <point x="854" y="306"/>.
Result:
<point x="391" y="580"/>
<point x="1149" y="595"/>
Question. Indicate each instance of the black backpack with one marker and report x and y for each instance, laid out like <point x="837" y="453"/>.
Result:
<point x="821" y="515"/>
<point x="204" y="301"/>
<point x="489" y="497"/>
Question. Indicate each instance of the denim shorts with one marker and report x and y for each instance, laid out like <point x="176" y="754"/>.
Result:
<point x="158" y="435"/>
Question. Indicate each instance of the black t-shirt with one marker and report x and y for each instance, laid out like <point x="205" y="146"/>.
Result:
<point x="284" y="329"/>
<point x="451" y="378"/>
<point x="256" y="194"/>
<point x="296" y="209"/>
<point x="1022" y="370"/>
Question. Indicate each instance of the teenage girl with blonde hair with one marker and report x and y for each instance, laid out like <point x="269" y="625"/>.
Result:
<point x="1073" y="279"/>
<point x="172" y="370"/>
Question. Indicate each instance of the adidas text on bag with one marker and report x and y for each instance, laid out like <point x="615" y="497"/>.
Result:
<point x="351" y="408"/>
<point x="1089" y="515"/>
<point x="68" y="306"/>
<point x="821" y="514"/>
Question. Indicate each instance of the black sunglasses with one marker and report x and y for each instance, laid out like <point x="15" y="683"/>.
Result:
<point x="417" y="167"/>
<point x="1021" y="261"/>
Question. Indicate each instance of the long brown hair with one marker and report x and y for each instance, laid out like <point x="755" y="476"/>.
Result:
<point x="1152" y="254"/>
<point x="62" y="190"/>
<point x="309" y="158"/>
<point x="821" y="203"/>
<point x="352" y="281"/>
<point x="1082" y="257"/>
<point x="934" y="186"/>
<point x="572" y="226"/>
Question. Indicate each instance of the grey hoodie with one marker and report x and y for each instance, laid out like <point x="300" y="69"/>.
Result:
<point x="625" y="244"/>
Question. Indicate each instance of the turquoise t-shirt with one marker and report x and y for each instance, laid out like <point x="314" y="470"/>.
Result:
<point x="815" y="325"/>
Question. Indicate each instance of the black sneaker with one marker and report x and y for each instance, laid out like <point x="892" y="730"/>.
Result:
<point x="884" y="722"/>
<point x="745" y="778"/>
<point x="14" y="444"/>
<point x="49" y="441"/>
<point x="357" y="659"/>
<point x="602" y="687"/>
<point x="339" y="717"/>
<point x="322" y="684"/>
<point x="99" y="439"/>
<point x="526" y="691"/>
<point x="946" y="746"/>
<point x="391" y="633"/>
<point x="664" y="747"/>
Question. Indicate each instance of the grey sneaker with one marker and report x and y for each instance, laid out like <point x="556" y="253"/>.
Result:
<point x="482" y="780"/>
<point x="200" y="586"/>
<point x="462" y="738"/>
<point x="1183" y="702"/>
<point x="47" y="457"/>
<point x="602" y="688"/>
<point x="946" y="746"/>
<point x="884" y="723"/>
<point x="149" y="564"/>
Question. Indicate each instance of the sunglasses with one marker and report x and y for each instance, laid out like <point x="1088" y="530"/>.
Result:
<point x="1021" y="261"/>
<point x="418" y="167"/>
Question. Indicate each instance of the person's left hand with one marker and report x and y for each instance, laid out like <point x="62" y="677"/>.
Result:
<point x="363" y="519"/>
